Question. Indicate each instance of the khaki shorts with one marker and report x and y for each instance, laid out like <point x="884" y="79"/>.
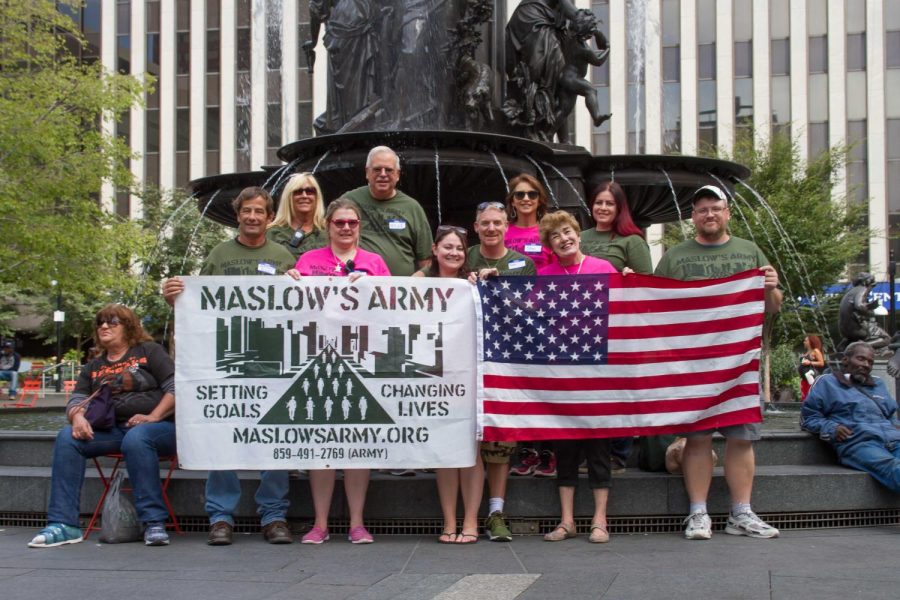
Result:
<point x="497" y="452"/>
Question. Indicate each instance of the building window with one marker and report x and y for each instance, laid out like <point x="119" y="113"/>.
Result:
<point x="856" y="52"/>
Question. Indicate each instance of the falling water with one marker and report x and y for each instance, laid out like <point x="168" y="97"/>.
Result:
<point x="437" y="183"/>
<point x="282" y="173"/>
<point x="783" y="266"/>
<point x="638" y="19"/>
<point x="319" y="162"/>
<point x="500" y="168"/>
<point x="796" y="258"/>
<point x="574" y="189"/>
<point x="187" y="251"/>
<point x="684" y="231"/>
<point x="546" y="181"/>
<point x="163" y="232"/>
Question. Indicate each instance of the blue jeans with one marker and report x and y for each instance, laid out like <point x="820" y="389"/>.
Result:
<point x="142" y="447"/>
<point x="223" y="491"/>
<point x="13" y="378"/>
<point x="881" y="460"/>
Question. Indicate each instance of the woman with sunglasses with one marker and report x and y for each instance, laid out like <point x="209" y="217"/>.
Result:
<point x="617" y="239"/>
<point x="448" y="259"/>
<point x="341" y="257"/>
<point x="299" y="224"/>
<point x="140" y="378"/>
<point x="526" y="205"/>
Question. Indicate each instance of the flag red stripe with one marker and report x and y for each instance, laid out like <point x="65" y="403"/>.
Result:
<point x="642" y="332"/>
<point x="574" y="384"/>
<point x="700" y="353"/>
<point x="737" y="417"/>
<point x="676" y="304"/>
<point x="636" y="280"/>
<point x="637" y="407"/>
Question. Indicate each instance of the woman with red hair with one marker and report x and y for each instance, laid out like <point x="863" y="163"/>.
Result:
<point x="618" y="240"/>
<point x="615" y="238"/>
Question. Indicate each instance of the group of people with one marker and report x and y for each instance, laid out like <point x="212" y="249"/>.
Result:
<point x="378" y="230"/>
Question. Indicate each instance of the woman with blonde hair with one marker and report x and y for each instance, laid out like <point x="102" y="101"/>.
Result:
<point x="299" y="223"/>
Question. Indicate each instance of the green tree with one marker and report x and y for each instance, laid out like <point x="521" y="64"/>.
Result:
<point x="54" y="157"/>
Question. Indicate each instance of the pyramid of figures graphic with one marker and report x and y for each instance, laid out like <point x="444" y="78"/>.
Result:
<point x="326" y="392"/>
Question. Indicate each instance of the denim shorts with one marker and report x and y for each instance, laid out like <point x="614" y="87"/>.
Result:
<point x="748" y="431"/>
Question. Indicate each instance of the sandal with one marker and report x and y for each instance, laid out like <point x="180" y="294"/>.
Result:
<point x="447" y="537"/>
<point x="562" y="532"/>
<point x="599" y="534"/>
<point x="467" y="538"/>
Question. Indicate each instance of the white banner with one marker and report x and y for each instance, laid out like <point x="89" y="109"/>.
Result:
<point x="272" y="373"/>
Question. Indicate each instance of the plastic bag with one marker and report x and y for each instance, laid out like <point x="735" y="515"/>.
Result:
<point x="120" y="520"/>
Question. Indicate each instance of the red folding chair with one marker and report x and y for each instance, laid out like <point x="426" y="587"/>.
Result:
<point x="31" y="388"/>
<point x="107" y="480"/>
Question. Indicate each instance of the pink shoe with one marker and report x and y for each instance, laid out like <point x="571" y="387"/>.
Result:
<point x="316" y="535"/>
<point x="359" y="535"/>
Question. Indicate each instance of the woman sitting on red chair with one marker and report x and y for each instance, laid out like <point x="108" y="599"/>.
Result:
<point x="140" y="378"/>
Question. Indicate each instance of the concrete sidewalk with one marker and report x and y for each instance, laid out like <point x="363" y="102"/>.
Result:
<point x="807" y="564"/>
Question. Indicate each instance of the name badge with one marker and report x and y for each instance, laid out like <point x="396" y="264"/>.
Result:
<point x="533" y="248"/>
<point x="266" y="268"/>
<point x="517" y="264"/>
<point x="396" y="224"/>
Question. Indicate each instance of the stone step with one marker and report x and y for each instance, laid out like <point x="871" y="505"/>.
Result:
<point x="777" y="489"/>
<point x="35" y="449"/>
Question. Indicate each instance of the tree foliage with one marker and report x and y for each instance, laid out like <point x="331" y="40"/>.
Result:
<point x="54" y="157"/>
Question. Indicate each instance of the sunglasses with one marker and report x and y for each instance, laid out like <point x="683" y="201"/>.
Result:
<point x="530" y="194"/>
<point x="487" y="205"/>
<point x="112" y="322"/>
<point x="309" y="191"/>
<point x="341" y="223"/>
<point x="447" y="228"/>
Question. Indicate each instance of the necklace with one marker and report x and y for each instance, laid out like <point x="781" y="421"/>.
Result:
<point x="578" y="272"/>
<point x="338" y="263"/>
<point x="493" y="265"/>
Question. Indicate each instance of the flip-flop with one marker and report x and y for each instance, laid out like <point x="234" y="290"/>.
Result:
<point x="467" y="538"/>
<point x="451" y="538"/>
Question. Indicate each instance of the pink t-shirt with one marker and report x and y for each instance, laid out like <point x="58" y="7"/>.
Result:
<point x="589" y="266"/>
<point x="322" y="261"/>
<point x="527" y="241"/>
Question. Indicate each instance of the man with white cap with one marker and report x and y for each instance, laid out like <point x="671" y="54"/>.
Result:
<point x="711" y="254"/>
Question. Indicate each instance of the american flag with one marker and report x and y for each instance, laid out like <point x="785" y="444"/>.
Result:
<point x="610" y="356"/>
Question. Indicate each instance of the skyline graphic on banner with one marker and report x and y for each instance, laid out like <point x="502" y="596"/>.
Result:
<point x="253" y="347"/>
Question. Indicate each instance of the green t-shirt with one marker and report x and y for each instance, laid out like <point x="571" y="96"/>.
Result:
<point x="284" y="234"/>
<point x="512" y="262"/>
<point x="689" y="260"/>
<point x="395" y="229"/>
<point x="233" y="258"/>
<point x="628" y="251"/>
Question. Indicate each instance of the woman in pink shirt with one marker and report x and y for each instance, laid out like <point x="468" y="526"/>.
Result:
<point x="341" y="257"/>
<point x="526" y="205"/>
<point x="561" y="232"/>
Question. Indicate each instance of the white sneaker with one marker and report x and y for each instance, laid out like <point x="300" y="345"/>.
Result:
<point x="747" y="523"/>
<point x="698" y="526"/>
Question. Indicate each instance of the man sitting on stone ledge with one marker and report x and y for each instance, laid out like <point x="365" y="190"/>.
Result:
<point x="854" y="412"/>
